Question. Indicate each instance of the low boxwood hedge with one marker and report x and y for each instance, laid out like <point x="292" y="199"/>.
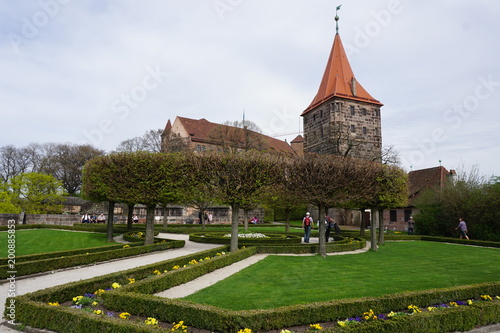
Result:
<point x="79" y="257"/>
<point x="32" y="309"/>
<point x="340" y="244"/>
<point x="271" y="238"/>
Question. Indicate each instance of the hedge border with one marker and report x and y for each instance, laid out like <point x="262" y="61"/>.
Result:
<point x="217" y="319"/>
<point x="218" y="238"/>
<point x="65" y="261"/>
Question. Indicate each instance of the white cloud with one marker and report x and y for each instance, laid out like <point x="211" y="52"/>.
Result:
<point x="267" y="57"/>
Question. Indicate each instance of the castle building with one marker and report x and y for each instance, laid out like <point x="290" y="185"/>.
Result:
<point x="343" y="118"/>
<point x="202" y="135"/>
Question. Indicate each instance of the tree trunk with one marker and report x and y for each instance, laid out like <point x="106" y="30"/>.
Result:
<point x="235" y="209"/>
<point x="380" y="228"/>
<point x="287" y="220"/>
<point x="165" y="216"/>
<point x="373" y="230"/>
<point x="362" y="224"/>
<point x="321" y="223"/>
<point x="245" y="219"/>
<point x="150" y="225"/>
<point x="129" y="216"/>
<point x="203" y="212"/>
<point x="111" y="217"/>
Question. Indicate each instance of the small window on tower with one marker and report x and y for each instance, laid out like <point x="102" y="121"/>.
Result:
<point x="353" y="112"/>
<point x="364" y="130"/>
<point x="363" y="111"/>
<point x="353" y="128"/>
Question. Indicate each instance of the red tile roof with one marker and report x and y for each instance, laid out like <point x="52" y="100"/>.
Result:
<point x="200" y="130"/>
<point x="427" y="178"/>
<point x="339" y="81"/>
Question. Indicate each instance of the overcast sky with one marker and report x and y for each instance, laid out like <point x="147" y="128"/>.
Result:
<point x="101" y="71"/>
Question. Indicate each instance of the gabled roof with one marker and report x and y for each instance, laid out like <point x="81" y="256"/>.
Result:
<point x="339" y="81"/>
<point x="200" y="130"/>
<point x="427" y="178"/>
<point x="298" y="139"/>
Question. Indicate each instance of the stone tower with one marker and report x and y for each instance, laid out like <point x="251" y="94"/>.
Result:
<point x="343" y="118"/>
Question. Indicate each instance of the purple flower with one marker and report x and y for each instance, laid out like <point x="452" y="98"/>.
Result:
<point x="381" y="316"/>
<point x="110" y="314"/>
<point x="461" y="303"/>
<point x="90" y="295"/>
<point x="79" y="306"/>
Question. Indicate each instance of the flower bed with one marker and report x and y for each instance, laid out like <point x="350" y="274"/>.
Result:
<point x="137" y="300"/>
<point x="221" y="238"/>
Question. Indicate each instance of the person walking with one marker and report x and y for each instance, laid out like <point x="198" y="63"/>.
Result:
<point x="328" y="226"/>
<point x="463" y="228"/>
<point x="411" y="226"/>
<point x="307" y="224"/>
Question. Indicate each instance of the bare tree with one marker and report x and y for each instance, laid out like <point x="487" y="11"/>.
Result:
<point x="13" y="162"/>
<point x="390" y="156"/>
<point x="150" y="142"/>
<point x="343" y="141"/>
<point x="237" y="135"/>
<point x="65" y="162"/>
<point x="173" y="143"/>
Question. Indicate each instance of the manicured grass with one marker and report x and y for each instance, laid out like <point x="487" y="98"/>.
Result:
<point x="395" y="267"/>
<point x="33" y="241"/>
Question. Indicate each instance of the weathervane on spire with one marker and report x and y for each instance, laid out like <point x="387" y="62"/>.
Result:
<point x="337" y="18"/>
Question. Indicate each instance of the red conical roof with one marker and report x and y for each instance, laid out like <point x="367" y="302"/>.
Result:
<point x="339" y="81"/>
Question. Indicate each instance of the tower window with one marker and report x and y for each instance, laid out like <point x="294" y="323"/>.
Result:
<point x="353" y="112"/>
<point x="364" y="130"/>
<point x="363" y="111"/>
<point x="353" y="128"/>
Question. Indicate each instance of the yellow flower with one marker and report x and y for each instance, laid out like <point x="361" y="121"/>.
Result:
<point x="94" y="303"/>
<point x="126" y="246"/>
<point x="486" y="297"/>
<point x="342" y="323"/>
<point x="432" y="308"/>
<point x="98" y="312"/>
<point x="115" y="285"/>
<point x="151" y="321"/>
<point x="157" y="272"/>
<point x="246" y="330"/>
<point x="99" y="292"/>
<point x="176" y="267"/>
<point x="179" y="327"/>
<point x="316" y="327"/>
<point x="193" y="262"/>
<point x="414" y="308"/>
<point x="370" y="315"/>
<point x="469" y="302"/>
<point x="454" y="304"/>
<point x="77" y="298"/>
<point x="54" y="304"/>
<point x="130" y="280"/>
<point x="124" y="315"/>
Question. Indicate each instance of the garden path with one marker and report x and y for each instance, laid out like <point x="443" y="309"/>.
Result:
<point x="29" y="284"/>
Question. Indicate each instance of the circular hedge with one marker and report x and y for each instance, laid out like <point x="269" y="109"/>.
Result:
<point x="270" y="239"/>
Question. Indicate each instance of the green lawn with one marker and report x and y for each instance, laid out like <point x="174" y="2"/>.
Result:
<point x="33" y="241"/>
<point x="395" y="267"/>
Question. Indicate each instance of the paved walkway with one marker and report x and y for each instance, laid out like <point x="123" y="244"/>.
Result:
<point x="31" y="284"/>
